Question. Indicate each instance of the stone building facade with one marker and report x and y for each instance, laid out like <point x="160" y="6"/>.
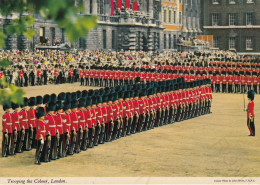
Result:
<point x="191" y="18"/>
<point x="234" y="24"/>
<point x="171" y="22"/>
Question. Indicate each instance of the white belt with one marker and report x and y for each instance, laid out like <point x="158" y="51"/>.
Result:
<point x="52" y="125"/>
<point x="64" y="121"/>
<point x="33" y="119"/>
<point x="82" y="121"/>
<point x="43" y="131"/>
<point x="89" y="119"/>
<point x="105" y="114"/>
<point x="114" y="109"/>
<point x="127" y="110"/>
<point x="111" y="113"/>
<point x="59" y="125"/>
<point x="9" y="123"/>
<point x="25" y="119"/>
<point x="100" y="116"/>
<point x="75" y="121"/>
<point x="137" y="108"/>
<point x="17" y="122"/>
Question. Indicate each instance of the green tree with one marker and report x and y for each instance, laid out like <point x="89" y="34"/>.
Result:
<point x="62" y="12"/>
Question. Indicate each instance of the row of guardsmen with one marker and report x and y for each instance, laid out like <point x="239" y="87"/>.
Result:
<point x="73" y="122"/>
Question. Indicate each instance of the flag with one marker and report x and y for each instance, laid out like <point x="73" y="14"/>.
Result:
<point x="127" y="4"/>
<point x="112" y="7"/>
<point x="135" y="6"/>
<point x="119" y="4"/>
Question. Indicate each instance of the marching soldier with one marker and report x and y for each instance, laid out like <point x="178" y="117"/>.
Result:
<point x="136" y="111"/>
<point x="40" y="136"/>
<point x="7" y="131"/>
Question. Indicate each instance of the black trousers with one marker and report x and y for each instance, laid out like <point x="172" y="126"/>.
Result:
<point x="251" y="126"/>
<point x="39" y="153"/>
<point x="39" y="81"/>
<point x="6" y="147"/>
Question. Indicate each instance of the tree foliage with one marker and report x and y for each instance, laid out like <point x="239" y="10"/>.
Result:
<point x="62" y="12"/>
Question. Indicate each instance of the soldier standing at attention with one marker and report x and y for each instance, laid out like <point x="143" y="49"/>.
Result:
<point x="41" y="135"/>
<point x="250" y="112"/>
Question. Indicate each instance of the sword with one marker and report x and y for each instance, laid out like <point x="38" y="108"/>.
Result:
<point x="244" y="102"/>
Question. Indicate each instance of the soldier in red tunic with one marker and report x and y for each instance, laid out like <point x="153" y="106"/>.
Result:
<point x="117" y="117"/>
<point x="39" y="75"/>
<point x="7" y="130"/>
<point x="24" y="126"/>
<point x="66" y="128"/>
<point x="74" y="126"/>
<point x="250" y="112"/>
<point x="16" y="128"/>
<point x="110" y="118"/>
<point x="51" y="128"/>
<point x="40" y="136"/>
<point x="81" y="144"/>
<point x="136" y="111"/>
<point x="100" y="129"/>
<point x="59" y="117"/>
<point x="32" y="124"/>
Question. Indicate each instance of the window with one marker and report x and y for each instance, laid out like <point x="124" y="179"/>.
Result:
<point x="158" y="39"/>
<point x="170" y="16"/>
<point x="232" y="19"/>
<point x="215" y="42"/>
<point x="52" y="34"/>
<point x="215" y="1"/>
<point x="165" y="15"/>
<point x="249" y="18"/>
<point x="180" y="18"/>
<point x="249" y="43"/>
<point x="104" y="39"/>
<point x="164" y="41"/>
<point x="174" y="42"/>
<point x="232" y="43"/>
<point x="232" y="2"/>
<point x="90" y="6"/>
<point x="82" y="43"/>
<point x="174" y="17"/>
<point x="170" y="41"/>
<point x="215" y="19"/>
<point x="113" y="39"/>
<point x="62" y="35"/>
<point x="42" y="34"/>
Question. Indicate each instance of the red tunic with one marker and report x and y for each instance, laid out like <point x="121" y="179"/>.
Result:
<point x="250" y="109"/>
<point x="50" y="125"/>
<point x="16" y="121"/>
<point x="24" y="124"/>
<point x="59" y="124"/>
<point x="74" y="121"/>
<point x="66" y="123"/>
<point x="82" y="119"/>
<point x="88" y="117"/>
<point x="7" y="123"/>
<point x="40" y="130"/>
<point x="32" y="118"/>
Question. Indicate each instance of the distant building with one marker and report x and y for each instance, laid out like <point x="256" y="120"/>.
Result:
<point x="172" y="22"/>
<point x="234" y="24"/>
<point x="191" y="18"/>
